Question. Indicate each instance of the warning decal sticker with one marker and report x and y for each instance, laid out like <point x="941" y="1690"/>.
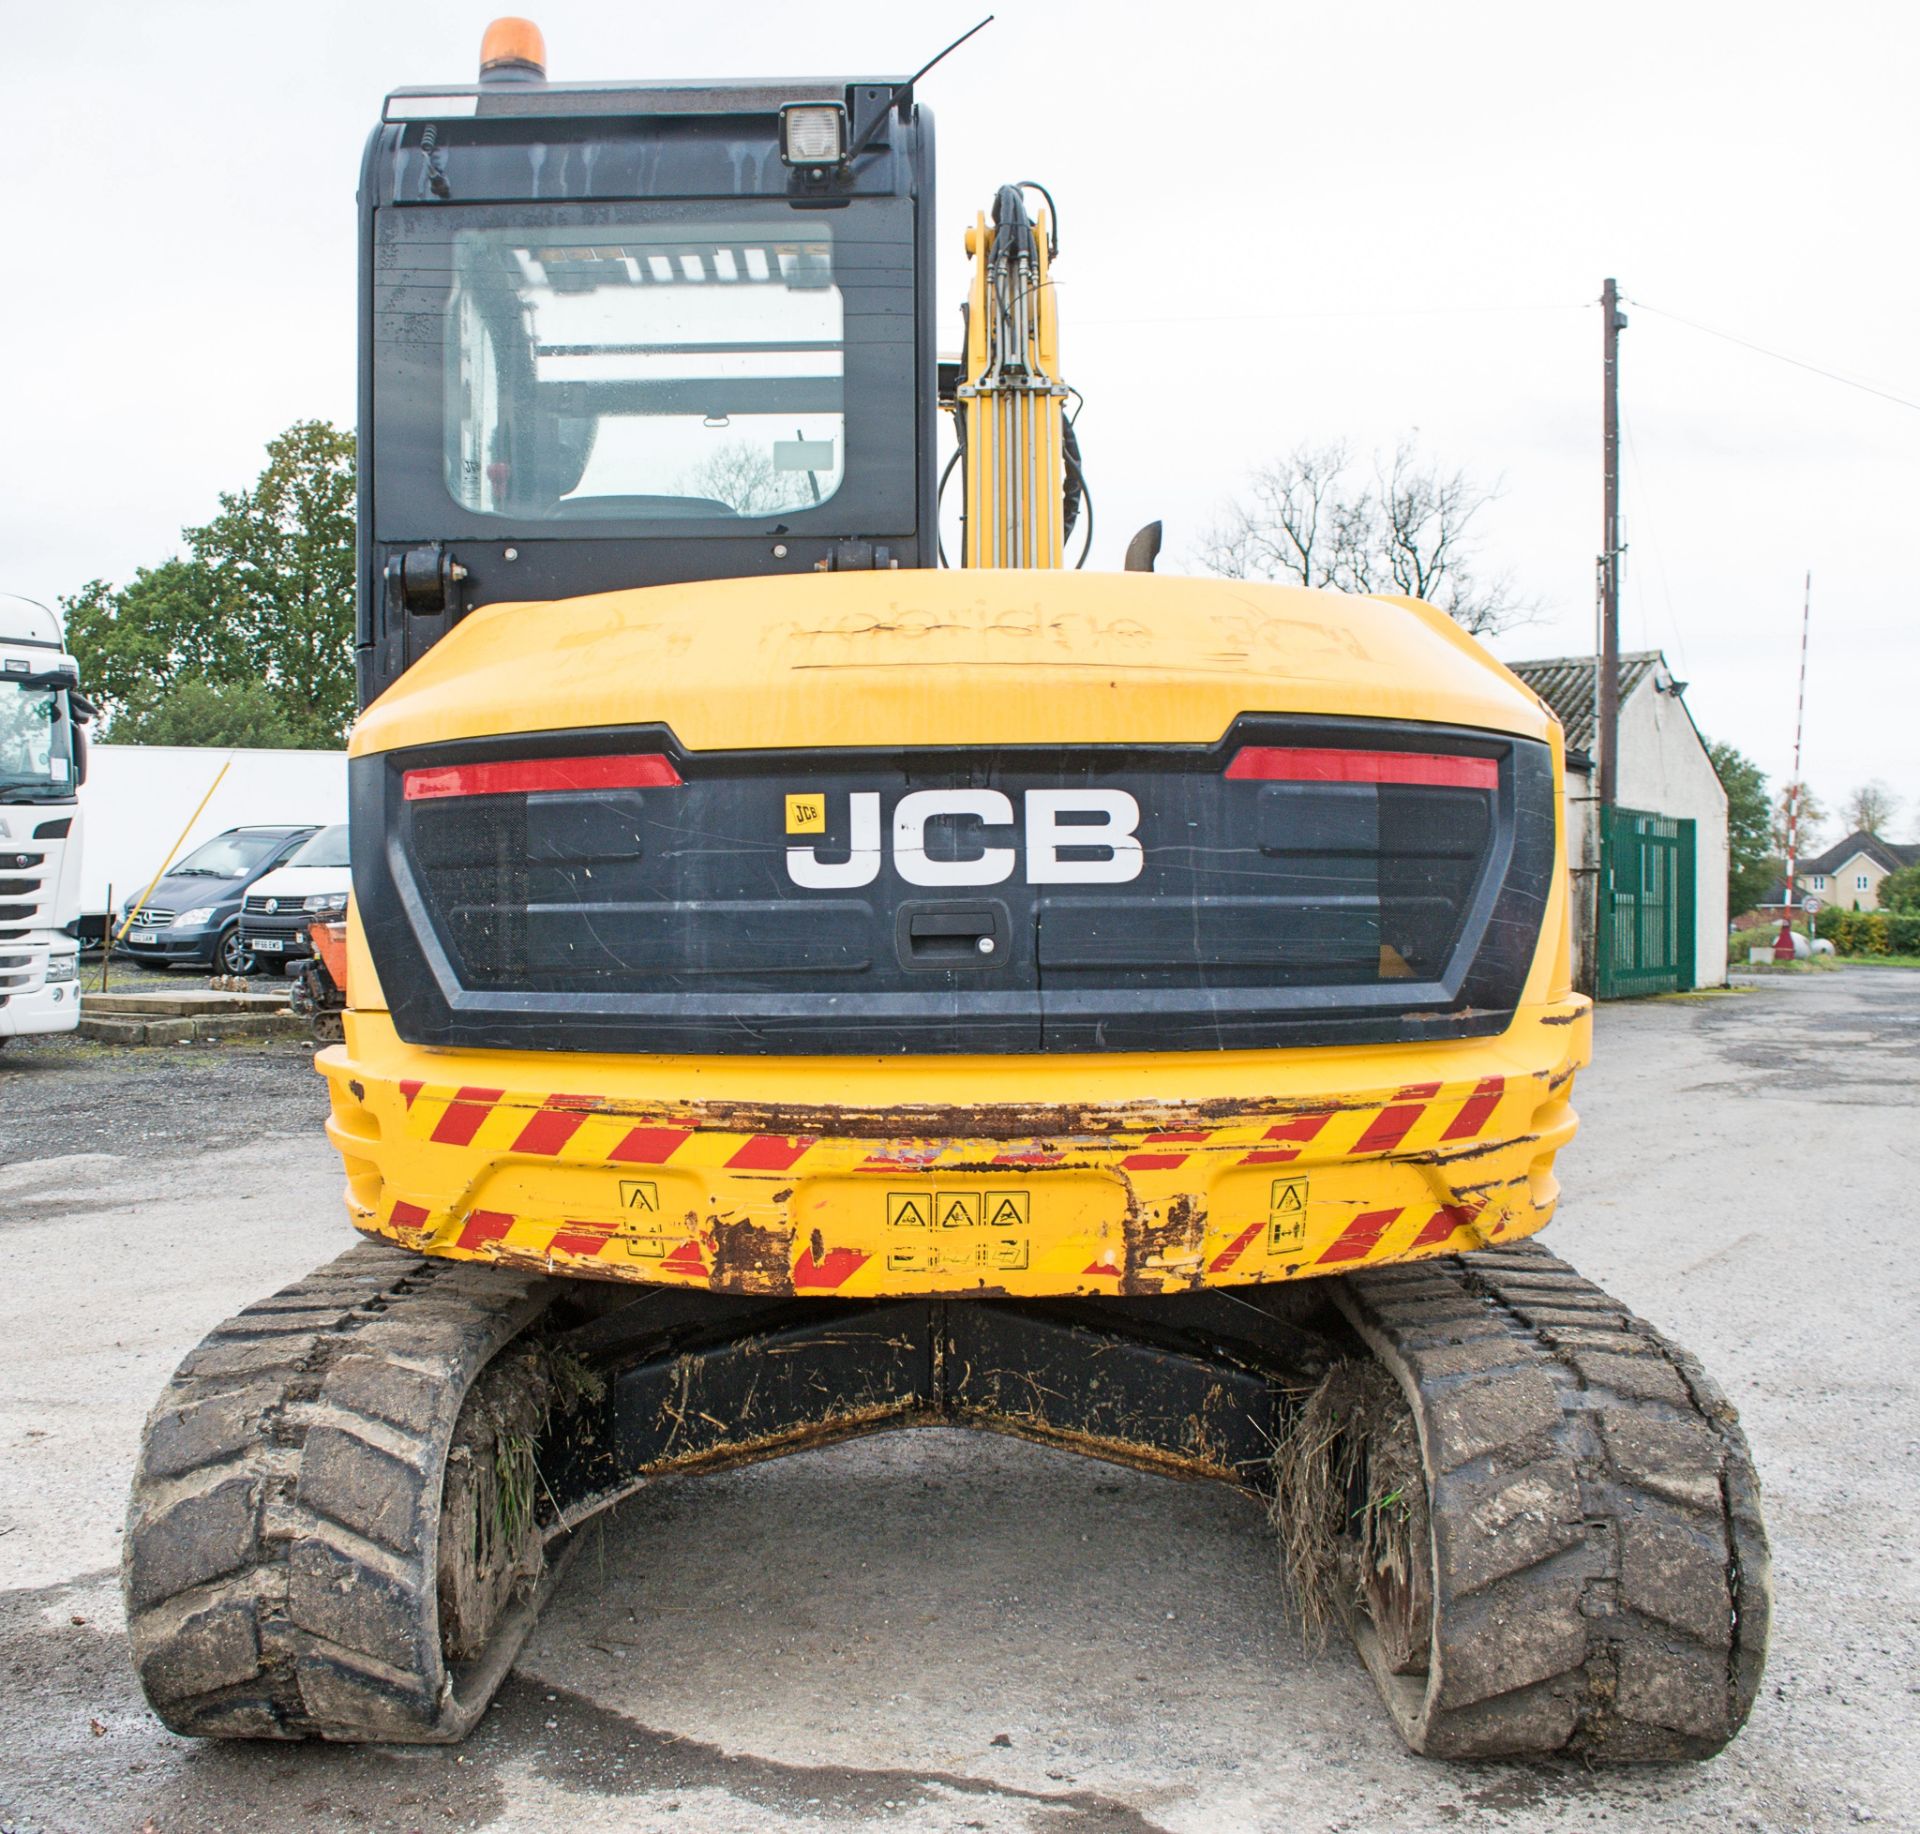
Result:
<point x="979" y="1231"/>
<point x="958" y="1209"/>
<point x="1007" y="1210"/>
<point x="1286" y="1215"/>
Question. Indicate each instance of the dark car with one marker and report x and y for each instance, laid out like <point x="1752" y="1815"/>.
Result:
<point x="193" y="914"/>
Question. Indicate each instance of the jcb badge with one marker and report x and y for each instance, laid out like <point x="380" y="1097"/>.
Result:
<point x="1072" y="837"/>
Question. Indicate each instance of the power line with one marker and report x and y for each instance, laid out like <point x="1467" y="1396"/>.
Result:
<point x="1225" y="318"/>
<point x="1653" y="541"/>
<point x="1780" y="356"/>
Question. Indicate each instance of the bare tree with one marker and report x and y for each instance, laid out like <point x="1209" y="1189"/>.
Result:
<point x="1813" y="819"/>
<point x="741" y="475"/>
<point x="1424" y="515"/>
<point x="1309" y="519"/>
<point x="1870" y="809"/>
<point x="1292" y="526"/>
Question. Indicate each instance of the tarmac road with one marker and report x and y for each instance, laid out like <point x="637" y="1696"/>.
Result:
<point x="941" y="1631"/>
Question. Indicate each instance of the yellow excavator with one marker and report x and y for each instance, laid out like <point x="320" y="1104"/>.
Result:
<point x="795" y="988"/>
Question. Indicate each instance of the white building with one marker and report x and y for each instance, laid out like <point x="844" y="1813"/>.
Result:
<point x="1654" y="914"/>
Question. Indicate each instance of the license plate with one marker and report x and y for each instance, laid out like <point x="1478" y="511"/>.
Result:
<point x="141" y="936"/>
<point x="271" y="944"/>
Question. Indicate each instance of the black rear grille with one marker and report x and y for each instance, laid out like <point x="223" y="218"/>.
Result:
<point x="1250" y="913"/>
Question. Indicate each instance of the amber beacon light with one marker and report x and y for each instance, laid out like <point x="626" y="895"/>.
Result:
<point x="513" y="46"/>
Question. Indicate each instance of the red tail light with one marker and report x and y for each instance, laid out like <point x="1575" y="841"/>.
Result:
<point x="539" y="776"/>
<point x="1303" y="764"/>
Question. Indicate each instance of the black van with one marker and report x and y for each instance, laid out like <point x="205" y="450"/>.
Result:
<point x="193" y="914"/>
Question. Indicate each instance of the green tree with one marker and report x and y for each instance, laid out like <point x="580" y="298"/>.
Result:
<point x="1900" y="891"/>
<point x="193" y="712"/>
<point x="1751" y="866"/>
<point x="264" y="602"/>
<point x="167" y="625"/>
<point x="283" y="552"/>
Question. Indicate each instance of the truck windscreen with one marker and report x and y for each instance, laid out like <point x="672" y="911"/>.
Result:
<point x="36" y="744"/>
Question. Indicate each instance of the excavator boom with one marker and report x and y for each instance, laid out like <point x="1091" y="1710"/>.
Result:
<point x="1013" y="427"/>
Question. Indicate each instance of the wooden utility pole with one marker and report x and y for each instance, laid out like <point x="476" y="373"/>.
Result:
<point x="1608" y="734"/>
<point x="1796" y="794"/>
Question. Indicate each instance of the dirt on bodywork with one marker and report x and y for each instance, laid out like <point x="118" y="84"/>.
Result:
<point x="750" y="1257"/>
<point x="1163" y="1251"/>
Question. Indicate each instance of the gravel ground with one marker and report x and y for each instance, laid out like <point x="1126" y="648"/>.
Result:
<point x="62" y="1095"/>
<point x="936" y="1631"/>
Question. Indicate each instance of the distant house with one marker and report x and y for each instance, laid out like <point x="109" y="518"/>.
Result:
<point x="1848" y="874"/>
<point x="1650" y="897"/>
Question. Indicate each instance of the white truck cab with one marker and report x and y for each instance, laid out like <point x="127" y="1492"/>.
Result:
<point x="43" y="758"/>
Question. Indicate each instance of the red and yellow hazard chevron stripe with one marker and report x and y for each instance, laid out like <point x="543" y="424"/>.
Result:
<point x="1133" y="1196"/>
<point x="592" y="1129"/>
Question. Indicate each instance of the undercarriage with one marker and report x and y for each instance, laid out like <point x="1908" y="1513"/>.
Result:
<point x="1541" y="1527"/>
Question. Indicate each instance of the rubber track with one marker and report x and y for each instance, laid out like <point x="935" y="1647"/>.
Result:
<point x="282" y="1545"/>
<point x="1600" y="1568"/>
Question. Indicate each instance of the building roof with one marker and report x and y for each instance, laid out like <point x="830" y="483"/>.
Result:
<point x="1889" y="856"/>
<point x="1570" y="686"/>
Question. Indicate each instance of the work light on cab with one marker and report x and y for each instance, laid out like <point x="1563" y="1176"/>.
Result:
<point x="813" y="133"/>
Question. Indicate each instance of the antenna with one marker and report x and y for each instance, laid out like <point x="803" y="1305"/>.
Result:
<point x="900" y="89"/>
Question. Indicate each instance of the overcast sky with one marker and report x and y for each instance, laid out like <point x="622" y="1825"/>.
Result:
<point x="1280" y="224"/>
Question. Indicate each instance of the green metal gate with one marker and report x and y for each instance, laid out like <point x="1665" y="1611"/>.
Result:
<point x="1646" y="914"/>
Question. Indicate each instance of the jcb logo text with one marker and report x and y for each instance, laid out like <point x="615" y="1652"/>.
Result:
<point x="1072" y="837"/>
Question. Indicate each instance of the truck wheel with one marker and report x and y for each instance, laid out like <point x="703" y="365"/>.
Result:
<point x="230" y="954"/>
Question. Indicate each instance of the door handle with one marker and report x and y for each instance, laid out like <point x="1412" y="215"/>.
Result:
<point x="953" y="937"/>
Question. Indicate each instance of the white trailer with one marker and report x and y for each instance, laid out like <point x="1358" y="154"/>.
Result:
<point x="42" y="757"/>
<point x="139" y="798"/>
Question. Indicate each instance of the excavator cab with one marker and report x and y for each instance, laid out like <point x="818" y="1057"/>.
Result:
<point x="624" y="335"/>
<point x="794" y="989"/>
